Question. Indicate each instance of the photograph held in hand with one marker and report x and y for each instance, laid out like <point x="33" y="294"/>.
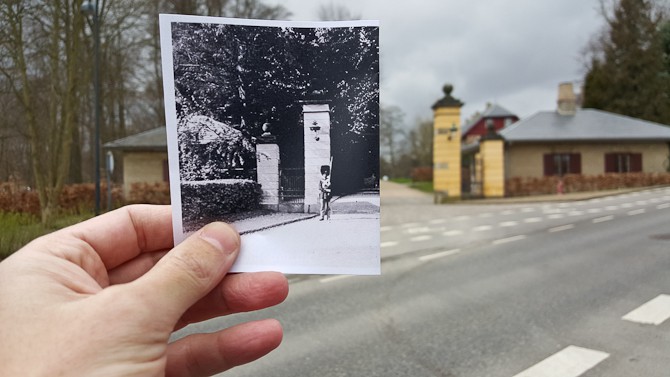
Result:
<point x="273" y="127"/>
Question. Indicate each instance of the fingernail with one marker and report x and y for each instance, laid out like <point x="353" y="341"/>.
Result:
<point x="221" y="236"/>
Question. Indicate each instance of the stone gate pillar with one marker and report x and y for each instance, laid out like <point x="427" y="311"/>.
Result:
<point x="316" y="129"/>
<point x="267" y="170"/>
<point x="447" y="147"/>
<point x="492" y="150"/>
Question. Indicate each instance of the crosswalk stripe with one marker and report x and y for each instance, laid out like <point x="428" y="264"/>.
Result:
<point x="420" y="238"/>
<point x="441" y="254"/>
<point x="509" y="223"/>
<point x="452" y="233"/>
<point x="572" y="361"/>
<point x="653" y="312"/>
<point x="388" y="244"/>
<point x="561" y="228"/>
<point x="509" y="239"/>
<point x="603" y="219"/>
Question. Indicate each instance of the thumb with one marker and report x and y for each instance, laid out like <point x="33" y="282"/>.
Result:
<point x="189" y="271"/>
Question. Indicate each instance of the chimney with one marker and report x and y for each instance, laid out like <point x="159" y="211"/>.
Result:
<point x="567" y="99"/>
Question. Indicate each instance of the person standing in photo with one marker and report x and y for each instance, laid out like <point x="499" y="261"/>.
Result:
<point x="325" y="192"/>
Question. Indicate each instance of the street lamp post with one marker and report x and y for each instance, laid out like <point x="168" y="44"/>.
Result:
<point x="92" y="8"/>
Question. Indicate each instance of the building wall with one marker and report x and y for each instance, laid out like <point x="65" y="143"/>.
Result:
<point x="526" y="160"/>
<point x="479" y="129"/>
<point x="142" y="167"/>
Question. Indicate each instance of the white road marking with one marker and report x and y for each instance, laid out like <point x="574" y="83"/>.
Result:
<point x="437" y="221"/>
<point x="452" y="233"/>
<point x="627" y="205"/>
<point x="532" y="220"/>
<point x="507" y="212"/>
<point x="410" y="225"/>
<point x="527" y="209"/>
<point x="485" y="215"/>
<point x="611" y="208"/>
<point x="481" y="228"/>
<point x="509" y="239"/>
<point x="572" y="361"/>
<point x="388" y="244"/>
<point x="603" y="219"/>
<point x="509" y="223"/>
<point x="653" y="312"/>
<point x="562" y="228"/>
<point x="594" y="210"/>
<point x="335" y="278"/>
<point x="464" y="217"/>
<point x="663" y="206"/>
<point x="386" y="228"/>
<point x="576" y="213"/>
<point x="636" y="212"/>
<point x="441" y="254"/>
<point x="642" y="202"/>
<point x="556" y="216"/>
<point x="420" y="238"/>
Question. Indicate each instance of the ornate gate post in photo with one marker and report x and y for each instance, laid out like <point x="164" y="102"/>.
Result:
<point x="267" y="168"/>
<point x="316" y="125"/>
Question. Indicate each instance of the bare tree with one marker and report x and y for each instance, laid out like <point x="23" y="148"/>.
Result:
<point x="391" y="131"/>
<point x="336" y="12"/>
<point x="41" y="45"/>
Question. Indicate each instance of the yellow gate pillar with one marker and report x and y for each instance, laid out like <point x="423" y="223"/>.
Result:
<point x="447" y="147"/>
<point x="491" y="147"/>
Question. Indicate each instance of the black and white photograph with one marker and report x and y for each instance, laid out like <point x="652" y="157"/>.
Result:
<point x="273" y="127"/>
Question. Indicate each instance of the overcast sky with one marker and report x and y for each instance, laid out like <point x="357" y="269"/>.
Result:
<point x="510" y="52"/>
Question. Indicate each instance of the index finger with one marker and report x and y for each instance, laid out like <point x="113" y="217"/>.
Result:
<point x="125" y="233"/>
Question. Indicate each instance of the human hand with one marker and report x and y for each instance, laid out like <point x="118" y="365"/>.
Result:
<point x="102" y="297"/>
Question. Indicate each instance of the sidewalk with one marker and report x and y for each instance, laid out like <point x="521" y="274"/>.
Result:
<point x="353" y="204"/>
<point x="392" y="191"/>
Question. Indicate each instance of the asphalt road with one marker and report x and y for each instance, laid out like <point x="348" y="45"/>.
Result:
<point x="528" y="289"/>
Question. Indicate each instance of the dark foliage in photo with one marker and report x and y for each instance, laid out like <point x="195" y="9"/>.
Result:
<point x="204" y="202"/>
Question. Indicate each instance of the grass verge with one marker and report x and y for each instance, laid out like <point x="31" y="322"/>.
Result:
<point x="19" y="228"/>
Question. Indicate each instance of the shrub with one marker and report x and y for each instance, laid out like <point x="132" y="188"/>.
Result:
<point x="149" y="193"/>
<point x="207" y="201"/>
<point x="518" y="186"/>
<point x="422" y="174"/>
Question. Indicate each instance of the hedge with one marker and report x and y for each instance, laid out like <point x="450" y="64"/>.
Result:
<point x="207" y="201"/>
<point x="518" y="186"/>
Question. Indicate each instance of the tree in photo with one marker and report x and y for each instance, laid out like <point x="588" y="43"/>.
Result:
<point x="248" y="76"/>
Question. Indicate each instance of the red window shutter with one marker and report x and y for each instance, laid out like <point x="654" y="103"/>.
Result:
<point x="610" y="163"/>
<point x="549" y="168"/>
<point x="575" y="163"/>
<point x="635" y="162"/>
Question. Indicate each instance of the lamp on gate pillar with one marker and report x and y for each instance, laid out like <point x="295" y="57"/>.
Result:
<point x="452" y="131"/>
<point x="92" y="9"/>
<point x="315" y="128"/>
